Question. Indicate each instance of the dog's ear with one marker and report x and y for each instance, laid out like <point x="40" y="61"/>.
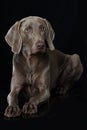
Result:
<point x="13" y="38"/>
<point x="50" y="34"/>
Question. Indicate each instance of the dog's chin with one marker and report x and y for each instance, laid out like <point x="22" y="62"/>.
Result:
<point x="41" y="51"/>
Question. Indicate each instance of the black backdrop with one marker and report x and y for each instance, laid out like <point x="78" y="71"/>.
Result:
<point x="68" y="18"/>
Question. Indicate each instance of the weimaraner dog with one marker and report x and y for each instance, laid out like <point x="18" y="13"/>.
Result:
<point x="36" y="68"/>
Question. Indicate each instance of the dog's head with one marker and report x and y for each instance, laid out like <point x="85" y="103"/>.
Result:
<point x="30" y="34"/>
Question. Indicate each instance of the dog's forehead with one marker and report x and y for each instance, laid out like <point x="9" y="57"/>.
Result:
<point x="32" y="21"/>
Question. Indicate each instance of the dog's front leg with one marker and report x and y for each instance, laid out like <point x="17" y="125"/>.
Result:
<point x="31" y="106"/>
<point x="13" y="109"/>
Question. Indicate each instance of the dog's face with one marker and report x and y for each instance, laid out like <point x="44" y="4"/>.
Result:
<point x="33" y="33"/>
<point x="30" y="34"/>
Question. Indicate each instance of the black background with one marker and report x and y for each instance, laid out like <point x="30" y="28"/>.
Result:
<point x="68" y="18"/>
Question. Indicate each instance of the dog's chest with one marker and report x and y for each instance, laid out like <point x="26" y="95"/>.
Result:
<point x="35" y="68"/>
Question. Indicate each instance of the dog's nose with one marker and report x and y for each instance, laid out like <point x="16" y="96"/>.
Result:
<point x="40" y="45"/>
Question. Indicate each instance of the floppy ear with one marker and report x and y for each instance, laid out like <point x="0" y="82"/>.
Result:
<point x="50" y="35"/>
<point x="13" y="38"/>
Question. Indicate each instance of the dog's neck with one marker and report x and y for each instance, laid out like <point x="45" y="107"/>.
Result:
<point x="34" y="59"/>
<point x="28" y="55"/>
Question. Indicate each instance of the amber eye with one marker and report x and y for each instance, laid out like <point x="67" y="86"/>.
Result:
<point x="28" y="29"/>
<point x="42" y="28"/>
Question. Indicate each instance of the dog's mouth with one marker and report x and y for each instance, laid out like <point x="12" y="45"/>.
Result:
<point x="43" y="49"/>
<point x="39" y="50"/>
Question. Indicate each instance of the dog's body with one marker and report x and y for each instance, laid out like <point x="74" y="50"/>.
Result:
<point x="36" y="69"/>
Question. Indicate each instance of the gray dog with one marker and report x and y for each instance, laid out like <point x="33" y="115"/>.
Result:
<point x="36" y="68"/>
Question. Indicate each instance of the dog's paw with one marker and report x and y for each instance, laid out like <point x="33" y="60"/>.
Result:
<point x="30" y="108"/>
<point x="12" y="111"/>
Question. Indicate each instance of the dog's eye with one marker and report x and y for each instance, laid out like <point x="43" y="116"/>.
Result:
<point x="28" y="29"/>
<point x="42" y="28"/>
